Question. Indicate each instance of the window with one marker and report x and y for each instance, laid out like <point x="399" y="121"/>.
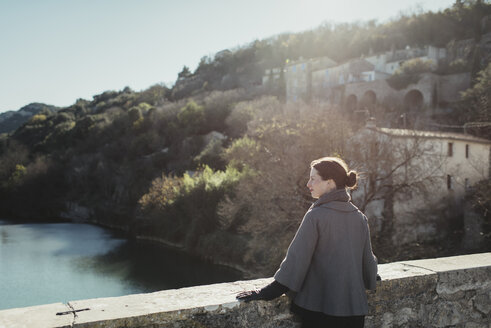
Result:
<point x="466" y="151"/>
<point x="449" y="182"/>
<point x="466" y="184"/>
<point x="294" y="68"/>
<point x="303" y="67"/>
<point x="450" y="149"/>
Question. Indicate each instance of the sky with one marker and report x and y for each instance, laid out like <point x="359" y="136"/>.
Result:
<point x="56" y="51"/>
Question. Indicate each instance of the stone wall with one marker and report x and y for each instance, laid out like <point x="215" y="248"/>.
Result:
<point x="386" y="95"/>
<point x="443" y="292"/>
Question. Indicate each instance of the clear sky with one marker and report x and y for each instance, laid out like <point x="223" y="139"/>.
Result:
<point x="56" y="51"/>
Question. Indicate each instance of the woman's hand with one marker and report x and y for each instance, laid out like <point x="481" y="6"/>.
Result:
<point x="247" y="296"/>
<point x="268" y="293"/>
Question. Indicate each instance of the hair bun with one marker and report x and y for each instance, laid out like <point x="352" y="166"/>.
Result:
<point x="351" y="179"/>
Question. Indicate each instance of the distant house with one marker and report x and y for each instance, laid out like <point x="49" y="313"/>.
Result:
<point x="389" y="62"/>
<point x="413" y="182"/>
<point x="272" y="75"/>
<point x="299" y="77"/>
<point x="362" y="84"/>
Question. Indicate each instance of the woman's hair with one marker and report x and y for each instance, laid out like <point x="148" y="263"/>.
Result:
<point x="336" y="169"/>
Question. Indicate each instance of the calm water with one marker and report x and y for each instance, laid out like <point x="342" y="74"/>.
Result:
<point x="59" y="262"/>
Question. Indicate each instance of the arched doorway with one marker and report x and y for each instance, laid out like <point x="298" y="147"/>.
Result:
<point x="369" y="100"/>
<point x="351" y="103"/>
<point x="413" y="101"/>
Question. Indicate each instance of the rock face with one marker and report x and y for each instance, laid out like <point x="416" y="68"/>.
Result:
<point x="443" y="292"/>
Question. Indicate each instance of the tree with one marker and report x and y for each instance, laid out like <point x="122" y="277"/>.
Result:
<point x="191" y="117"/>
<point x="479" y="197"/>
<point x="155" y="95"/>
<point x="278" y="148"/>
<point x="400" y="187"/>
<point x="184" y="73"/>
<point x="475" y="105"/>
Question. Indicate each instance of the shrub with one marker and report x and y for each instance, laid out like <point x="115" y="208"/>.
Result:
<point x="212" y="154"/>
<point x="241" y="151"/>
<point x="217" y="107"/>
<point x="415" y="66"/>
<point x="38" y="118"/>
<point x="17" y="176"/>
<point x="184" y="209"/>
<point x="402" y="81"/>
<point x="244" y="112"/>
<point x="409" y="73"/>
<point x="168" y="189"/>
<point x="191" y="117"/>
<point x="134" y="114"/>
<point x="144" y="107"/>
<point x="155" y="95"/>
<point x="144" y="144"/>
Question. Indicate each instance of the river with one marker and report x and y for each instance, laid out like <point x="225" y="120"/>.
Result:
<point x="43" y="263"/>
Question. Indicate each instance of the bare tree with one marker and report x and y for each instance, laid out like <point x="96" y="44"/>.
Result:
<point x="401" y="174"/>
<point x="271" y="202"/>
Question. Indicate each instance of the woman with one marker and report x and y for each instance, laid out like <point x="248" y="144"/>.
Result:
<point x="330" y="262"/>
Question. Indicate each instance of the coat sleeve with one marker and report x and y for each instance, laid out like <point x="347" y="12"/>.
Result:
<point x="369" y="262"/>
<point x="296" y="263"/>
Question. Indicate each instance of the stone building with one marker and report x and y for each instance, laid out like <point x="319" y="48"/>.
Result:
<point x="273" y="75"/>
<point x="375" y="67"/>
<point x="415" y="181"/>
<point x="364" y="83"/>
<point x="428" y="95"/>
<point x="298" y="77"/>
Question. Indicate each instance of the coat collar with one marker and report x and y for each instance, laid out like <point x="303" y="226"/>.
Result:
<point x="338" y="199"/>
<point x="340" y="195"/>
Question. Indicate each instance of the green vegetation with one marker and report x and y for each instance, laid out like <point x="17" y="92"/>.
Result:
<point x="215" y="160"/>
<point x="409" y="73"/>
<point x="475" y="105"/>
<point x="480" y="199"/>
<point x="244" y="67"/>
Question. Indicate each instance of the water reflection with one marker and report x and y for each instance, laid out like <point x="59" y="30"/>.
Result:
<point x="47" y="263"/>
<point x="149" y="267"/>
<point x="4" y="236"/>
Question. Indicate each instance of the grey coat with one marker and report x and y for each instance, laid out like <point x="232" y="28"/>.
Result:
<point x="330" y="261"/>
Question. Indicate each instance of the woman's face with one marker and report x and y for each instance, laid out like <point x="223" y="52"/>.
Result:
<point x="317" y="186"/>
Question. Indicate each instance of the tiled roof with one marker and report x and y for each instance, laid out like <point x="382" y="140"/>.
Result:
<point x="429" y="134"/>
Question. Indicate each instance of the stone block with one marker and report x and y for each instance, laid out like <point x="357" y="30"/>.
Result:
<point x="36" y="316"/>
<point x="482" y="303"/>
<point x="444" y="314"/>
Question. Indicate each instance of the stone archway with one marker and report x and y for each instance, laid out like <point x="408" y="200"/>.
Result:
<point x="369" y="100"/>
<point x="351" y="103"/>
<point x="413" y="100"/>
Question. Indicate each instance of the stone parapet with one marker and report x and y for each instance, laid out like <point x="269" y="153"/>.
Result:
<point x="442" y="292"/>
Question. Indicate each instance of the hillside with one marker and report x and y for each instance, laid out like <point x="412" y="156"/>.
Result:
<point x="11" y="120"/>
<point x="459" y="28"/>
<point x="218" y="159"/>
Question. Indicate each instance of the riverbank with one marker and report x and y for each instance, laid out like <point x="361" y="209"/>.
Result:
<point x="52" y="262"/>
<point x="133" y="229"/>
<point x="75" y="213"/>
